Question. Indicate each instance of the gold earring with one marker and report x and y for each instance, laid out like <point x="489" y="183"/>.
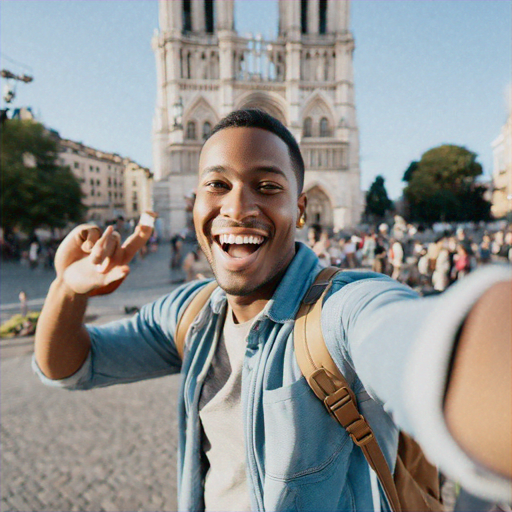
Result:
<point x="301" y="222"/>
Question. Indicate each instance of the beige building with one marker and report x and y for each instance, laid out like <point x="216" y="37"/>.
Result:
<point x="304" y="77"/>
<point x="502" y="172"/>
<point x="112" y="186"/>
<point x="138" y="189"/>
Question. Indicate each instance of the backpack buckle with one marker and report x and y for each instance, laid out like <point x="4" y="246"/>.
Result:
<point x="342" y="406"/>
<point x="315" y="292"/>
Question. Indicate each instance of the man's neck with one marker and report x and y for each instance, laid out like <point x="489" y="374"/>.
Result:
<point x="244" y="310"/>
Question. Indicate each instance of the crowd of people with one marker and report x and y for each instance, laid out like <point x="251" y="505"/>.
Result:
<point x="421" y="258"/>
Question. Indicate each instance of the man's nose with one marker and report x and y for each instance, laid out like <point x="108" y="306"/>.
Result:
<point x="239" y="204"/>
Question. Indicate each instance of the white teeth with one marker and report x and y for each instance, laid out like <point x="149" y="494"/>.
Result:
<point x="240" y="239"/>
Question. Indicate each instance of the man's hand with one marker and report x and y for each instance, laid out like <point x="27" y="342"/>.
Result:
<point x="91" y="263"/>
<point x="478" y="403"/>
<point x="87" y="263"/>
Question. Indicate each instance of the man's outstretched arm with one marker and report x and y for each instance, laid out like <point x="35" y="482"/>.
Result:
<point x="87" y="263"/>
<point x="478" y="405"/>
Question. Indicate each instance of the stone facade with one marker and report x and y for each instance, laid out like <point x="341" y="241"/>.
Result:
<point x="304" y="77"/>
<point x="112" y="185"/>
<point x="138" y="186"/>
<point x="502" y="172"/>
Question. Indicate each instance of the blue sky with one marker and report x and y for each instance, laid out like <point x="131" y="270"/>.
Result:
<point x="427" y="72"/>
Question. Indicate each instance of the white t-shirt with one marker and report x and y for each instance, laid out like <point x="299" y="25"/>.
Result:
<point x="220" y="411"/>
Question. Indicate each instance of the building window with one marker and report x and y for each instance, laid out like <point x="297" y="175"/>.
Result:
<point x="187" y="16"/>
<point x="92" y="182"/>
<point x="76" y="165"/>
<point x="324" y="127"/>
<point x="304" y="16"/>
<point x="97" y="169"/>
<point x="307" y="127"/>
<point x="134" y="194"/>
<point x="207" y="129"/>
<point x="109" y="182"/>
<point x="322" y="17"/>
<point x="189" y="66"/>
<point x="98" y="182"/>
<point x="109" y="194"/>
<point x="91" y="168"/>
<point x="209" y="16"/>
<point x="134" y="183"/>
<point x="115" y="195"/>
<point x="191" y="130"/>
<point x="92" y="192"/>
<point x="121" y="195"/>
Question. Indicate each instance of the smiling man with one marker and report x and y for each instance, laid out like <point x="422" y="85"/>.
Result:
<point x="252" y="434"/>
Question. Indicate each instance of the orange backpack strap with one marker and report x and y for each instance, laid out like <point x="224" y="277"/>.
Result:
<point x="190" y="313"/>
<point x="330" y="386"/>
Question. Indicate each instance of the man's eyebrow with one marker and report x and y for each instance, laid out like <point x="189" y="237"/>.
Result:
<point x="264" y="168"/>
<point x="213" y="168"/>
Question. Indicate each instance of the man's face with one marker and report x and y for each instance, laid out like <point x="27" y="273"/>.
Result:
<point x="246" y="209"/>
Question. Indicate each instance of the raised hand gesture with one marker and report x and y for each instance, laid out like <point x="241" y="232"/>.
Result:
<point x="92" y="263"/>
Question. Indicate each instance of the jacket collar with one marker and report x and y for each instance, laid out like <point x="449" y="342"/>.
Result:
<point x="285" y="302"/>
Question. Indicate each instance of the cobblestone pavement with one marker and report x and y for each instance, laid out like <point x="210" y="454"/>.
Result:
<point x="109" y="449"/>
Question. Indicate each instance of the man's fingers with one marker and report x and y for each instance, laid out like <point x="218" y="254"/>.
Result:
<point x="111" y="281"/>
<point x="88" y="235"/>
<point x="111" y="252"/>
<point x="135" y="242"/>
<point x="104" y="248"/>
<point x="117" y="273"/>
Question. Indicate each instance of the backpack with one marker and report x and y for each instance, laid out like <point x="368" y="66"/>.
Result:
<point x="414" y="486"/>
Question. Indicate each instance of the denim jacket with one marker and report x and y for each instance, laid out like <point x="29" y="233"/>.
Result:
<point x="298" y="457"/>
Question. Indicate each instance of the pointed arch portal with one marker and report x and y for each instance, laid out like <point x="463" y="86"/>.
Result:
<point x="319" y="209"/>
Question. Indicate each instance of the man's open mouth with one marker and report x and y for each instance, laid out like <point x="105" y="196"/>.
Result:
<point x="239" y="246"/>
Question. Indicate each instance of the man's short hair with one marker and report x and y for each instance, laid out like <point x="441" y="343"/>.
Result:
<point x="255" y="118"/>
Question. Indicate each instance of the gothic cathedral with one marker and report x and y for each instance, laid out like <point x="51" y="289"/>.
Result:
<point x="304" y="77"/>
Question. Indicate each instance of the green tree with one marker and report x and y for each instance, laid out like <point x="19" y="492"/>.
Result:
<point x="35" y="190"/>
<point x="377" y="200"/>
<point x="442" y="186"/>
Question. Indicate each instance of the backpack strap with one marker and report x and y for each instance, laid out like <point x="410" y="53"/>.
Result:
<point x="190" y="313"/>
<point x="330" y="386"/>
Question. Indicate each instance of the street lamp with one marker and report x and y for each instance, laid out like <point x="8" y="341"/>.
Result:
<point x="177" y="112"/>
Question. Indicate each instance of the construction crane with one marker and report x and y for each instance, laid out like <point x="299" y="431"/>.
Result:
<point x="10" y="90"/>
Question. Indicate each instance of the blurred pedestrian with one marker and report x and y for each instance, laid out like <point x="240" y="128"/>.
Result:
<point x="380" y="262"/>
<point x="484" y="250"/>
<point x="23" y="304"/>
<point x="196" y="265"/>
<point x="462" y="260"/>
<point x="350" y="252"/>
<point x="396" y="258"/>
<point x="321" y="249"/>
<point x="33" y="253"/>
<point x="440" y="276"/>
<point x="176" y="247"/>
<point x="314" y="232"/>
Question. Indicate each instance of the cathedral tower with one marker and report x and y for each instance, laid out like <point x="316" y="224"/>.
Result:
<point x="304" y="77"/>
